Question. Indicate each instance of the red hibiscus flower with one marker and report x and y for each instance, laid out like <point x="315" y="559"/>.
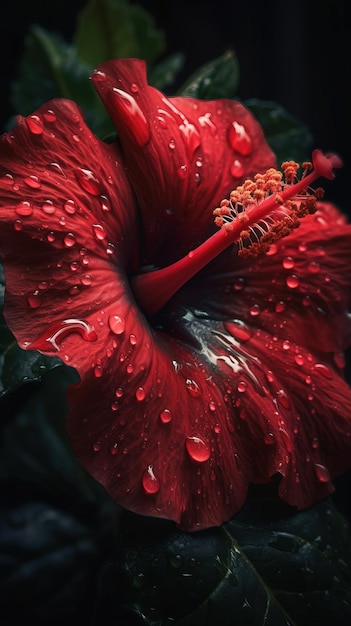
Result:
<point x="221" y="368"/>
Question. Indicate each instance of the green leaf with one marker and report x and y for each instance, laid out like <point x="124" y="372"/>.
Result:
<point x="50" y="68"/>
<point x="287" y="136"/>
<point x="165" y="72"/>
<point x="215" y="80"/>
<point x="285" y="568"/>
<point x="108" y="29"/>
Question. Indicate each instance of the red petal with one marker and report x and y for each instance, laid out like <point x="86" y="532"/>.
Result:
<point x="63" y="199"/>
<point x="183" y="155"/>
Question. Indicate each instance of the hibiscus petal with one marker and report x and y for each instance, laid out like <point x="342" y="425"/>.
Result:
<point x="66" y="206"/>
<point x="183" y="155"/>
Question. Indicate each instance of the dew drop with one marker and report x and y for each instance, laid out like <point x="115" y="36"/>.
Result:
<point x="48" y="207"/>
<point x="255" y="310"/>
<point x="197" y="449"/>
<point x="140" y="394"/>
<point x="272" y="250"/>
<point x="35" y="124"/>
<point x="299" y="360"/>
<point x="283" y="399"/>
<point x="133" y="339"/>
<point x="212" y="406"/>
<point x="7" y="180"/>
<point x="206" y="122"/>
<point x="193" y="388"/>
<point x="105" y="204"/>
<point x="114" y="449"/>
<point x="57" y="331"/>
<point x="324" y="370"/>
<point x="86" y="280"/>
<point x="239" y="139"/>
<point x="286" y="345"/>
<point x="313" y="267"/>
<point x="239" y="284"/>
<point x="237" y="169"/>
<point x="292" y="281"/>
<point x="150" y="482"/>
<point x="99" y="76"/>
<point x="322" y="473"/>
<point x="288" y="263"/>
<point x="280" y="307"/>
<point x="269" y="439"/>
<point x="34" y="299"/>
<point x="33" y="182"/>
<point x="57" y="168"/>
<point x="69" y="240"/>
<point x="166" y="416"/>
<point x="171" y="144"/>
<point x="182" y="172"/>
<point x="17" y="225"/>
<point x="49" y="116"/>
<point x="88" y="181"/>
<point x="131" y="116"/>
<point x="51" y="237"/>
<point x="242" y="386"/>
<point x="110" y="249"/>
<point x="70" y="207"/>
<point x="98" y="371"/>
<point x="24" y="209"/>
<point x="117" y="324"/>
<point x="238" y="330"/>
<point x="190" y="136"/>
<point x="99" y="232"/>
<point x="97" y="446"/>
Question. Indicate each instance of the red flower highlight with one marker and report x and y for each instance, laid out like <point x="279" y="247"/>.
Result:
<point x="236" y="373"/>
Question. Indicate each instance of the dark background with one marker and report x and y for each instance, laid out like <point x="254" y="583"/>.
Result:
<point x="294" y="52"/>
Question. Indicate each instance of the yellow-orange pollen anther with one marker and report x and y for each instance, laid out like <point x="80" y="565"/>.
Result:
<point x="257" y="213"/>
<point x="256" y="238"/>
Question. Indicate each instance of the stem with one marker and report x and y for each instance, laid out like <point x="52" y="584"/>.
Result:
<point x="152" y="290"/>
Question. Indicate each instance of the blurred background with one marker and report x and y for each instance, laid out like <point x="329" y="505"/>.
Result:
<point x="296" y="53"/>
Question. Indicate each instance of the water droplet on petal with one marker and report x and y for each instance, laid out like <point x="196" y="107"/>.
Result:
<point x="105" y="204"/>
<point x="34" y="299"/>
<point x="166" y="416"/>
<point x="324" y="370"/>
<point x="182" y="172"/>
<point x="99" y="75"/>
<point x="97" y="446"/>
<point x="88" y="181"/>
<point x="33" y="182"/>
<point x="57" y="168"/>
<point x="117" y="324"/>
<point x="322" y="473"/>
<point x="288" y="263"/>
<point x="35" y="124"/>
<point x="7" y="180"/>
<point x="48" y="207"/>
<point x="190" y="136"/>
<point x="241" y="386"/>
<point x="131" y="116"/>
<point x="280" y="307"/>
<point x="70" y="207"/>
<point x="98" y="371"/>
<point x="171" y="144"/>
<point x="237" y="169"/>
<point x="17" y="225"/>
<point x="99" y="232"/>
<point x="299" y="360"/>
<point x="150" y="482"/>
<point x="238" y="330"/>
<point x="140" y="394"/>
<point x="197" y="449"/>
<point x="57" y="331"/>
<point x="239" y="139"/>
<point x="292" y="281"/>
<point x="86" y="280"/>
<point x="49" y="116"/>
<point x="69" y="240"/>
<point x="206" y="122"/>
<point x="269" y="439"/>
<point x="255" y="310"/>
<point x="193" y="388"/>
<point x="24" y="209"/>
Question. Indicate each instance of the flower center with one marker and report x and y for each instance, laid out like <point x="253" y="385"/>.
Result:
<point x="258" y="213"/>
